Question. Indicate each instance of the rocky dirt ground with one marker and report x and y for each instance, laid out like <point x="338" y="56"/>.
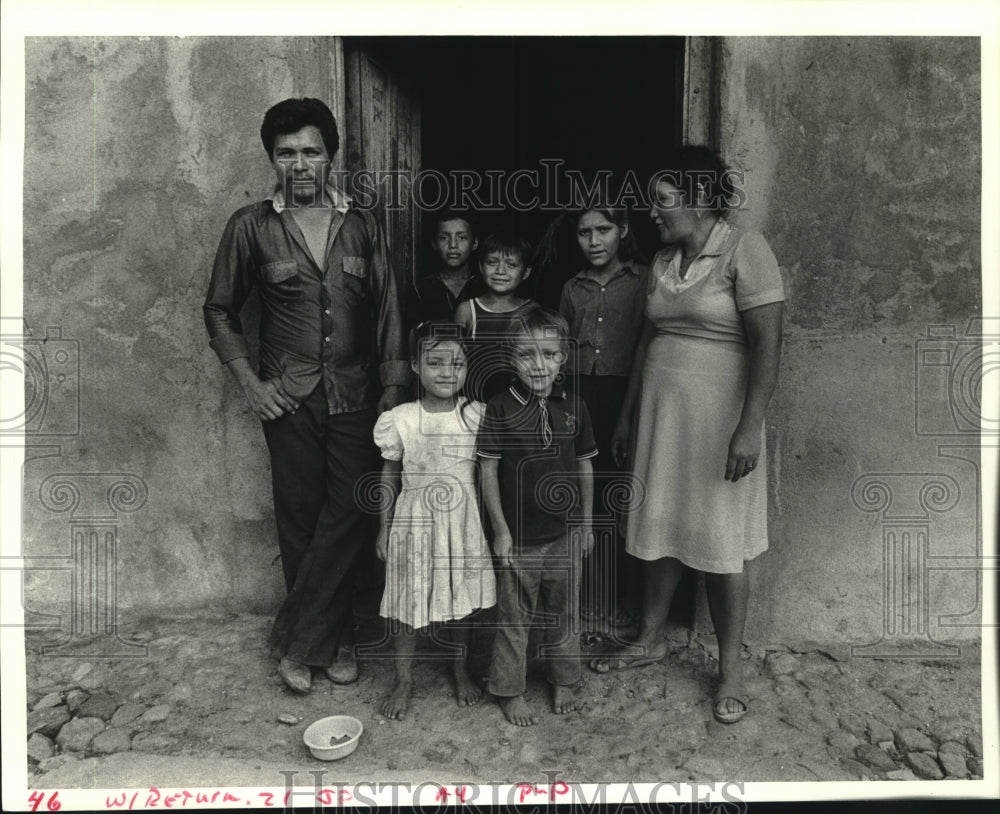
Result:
<point x="207" y="699"/>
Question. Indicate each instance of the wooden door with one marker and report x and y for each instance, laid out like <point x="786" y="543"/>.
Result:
<point x="383" y="135"/>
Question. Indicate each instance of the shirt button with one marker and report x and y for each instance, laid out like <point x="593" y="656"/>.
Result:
<point x="326" y="311"/>
<point x="326" y="339"/>
<point x="597" y="350"/>
<point x="600" y="319"/>
<point x="603" y="289"/>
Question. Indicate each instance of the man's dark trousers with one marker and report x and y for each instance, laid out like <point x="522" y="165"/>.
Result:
<point x="317" y="464"/>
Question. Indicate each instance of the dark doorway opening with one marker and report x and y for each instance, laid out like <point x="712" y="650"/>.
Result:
<point x="507" y="104"/>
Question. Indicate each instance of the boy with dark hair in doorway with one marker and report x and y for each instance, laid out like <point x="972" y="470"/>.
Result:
<point x="332" y="357"/>
<point x="455" y="279"/>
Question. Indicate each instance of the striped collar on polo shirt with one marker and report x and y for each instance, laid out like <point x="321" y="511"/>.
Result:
<point x="522" y="394"/>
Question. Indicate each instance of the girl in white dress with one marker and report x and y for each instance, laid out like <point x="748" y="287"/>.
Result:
<point x="438" y="565"/>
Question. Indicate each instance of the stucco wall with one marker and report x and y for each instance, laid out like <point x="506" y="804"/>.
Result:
<point x="862" y="160"/>
<point x="862" y="164"/>
<point x="137" y="151"/>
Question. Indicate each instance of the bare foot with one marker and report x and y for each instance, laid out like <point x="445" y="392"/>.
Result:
<point x="467" y="691"/>
<point x="516" y="710"/>
<point x="396" y="704"/>
<point x="564" y="699"/>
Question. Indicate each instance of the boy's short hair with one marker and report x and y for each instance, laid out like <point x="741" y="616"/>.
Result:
<point x="433" y="332"/>
<point x="544" y="321"/>
<point x="444" y="215"/>
<point x="291" y="115"/>
<point x="506" y="243"/>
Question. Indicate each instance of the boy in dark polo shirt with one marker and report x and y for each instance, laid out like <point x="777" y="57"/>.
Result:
<point x="456" y="279"/>
<point x="535" y="446"/>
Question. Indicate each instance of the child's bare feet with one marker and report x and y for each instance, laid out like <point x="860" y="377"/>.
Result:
<point x="516" y="710"/>
<point x="396" y="704"/>
<point x="564" y="699"/>
<point x="467" y="691"/>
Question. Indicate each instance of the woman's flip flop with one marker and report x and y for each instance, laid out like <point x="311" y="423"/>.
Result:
<point x="725" y="717"/>
<point x="614" y="664"/>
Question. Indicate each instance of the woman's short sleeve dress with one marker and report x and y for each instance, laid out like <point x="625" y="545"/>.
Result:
<point x="693" y="385"/>
<point x="438" y="565"/>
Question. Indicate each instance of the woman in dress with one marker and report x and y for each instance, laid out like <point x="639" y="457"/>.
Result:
<point x="704" y="372"/>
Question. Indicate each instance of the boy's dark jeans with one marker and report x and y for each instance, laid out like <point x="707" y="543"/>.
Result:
<point x="609" y="574"/>
<point x="542" y="587"/>
<point x="317" y="460"/>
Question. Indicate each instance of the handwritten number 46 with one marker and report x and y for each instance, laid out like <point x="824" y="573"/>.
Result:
<point x="36" y="798"/>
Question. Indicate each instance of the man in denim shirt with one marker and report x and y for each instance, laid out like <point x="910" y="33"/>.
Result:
<point x="332" y="356"/>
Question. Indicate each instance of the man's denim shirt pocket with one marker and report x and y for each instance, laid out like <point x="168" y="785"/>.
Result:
<point x="279" y="271"/>
<point x="356" y="267"/>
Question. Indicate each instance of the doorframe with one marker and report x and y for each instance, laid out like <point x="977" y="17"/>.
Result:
<point x="333" y="55"/>
<point x="700" y="91"/>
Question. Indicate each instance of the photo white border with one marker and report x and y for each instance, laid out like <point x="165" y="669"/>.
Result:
<point x="521" y="17"/>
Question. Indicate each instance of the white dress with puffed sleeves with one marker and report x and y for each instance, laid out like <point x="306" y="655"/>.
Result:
<point x="438" y="564"/>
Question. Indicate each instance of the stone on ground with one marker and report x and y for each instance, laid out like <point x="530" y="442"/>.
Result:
<point x="158" y="686"/>
<point x="78" y="733"/>
<point x="777" y="664"/>
<point x="878" y="731"/>
<point x="40" y="747"/>
<point x="154" y="715"/>
<point x="913" y="740"/>
<point x="924" y="765"/>
<point x="153" y="742"/>
<point x="874" y="757"/>
<point x="843" y="740"/>
<point x="127" y="713"/>
<point x="100" y="705"/>
<point x="859" y="769"/>
<point x="179" y="693"/>
<point x="951" y="729"/>
<point x="53" y="699"/>
<point x="854" y="724"/>
<point x="47" y="721"/>
<point x="110" y="741"/>
<point x="953" y="763"/>
<point x="955" y="747"/>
